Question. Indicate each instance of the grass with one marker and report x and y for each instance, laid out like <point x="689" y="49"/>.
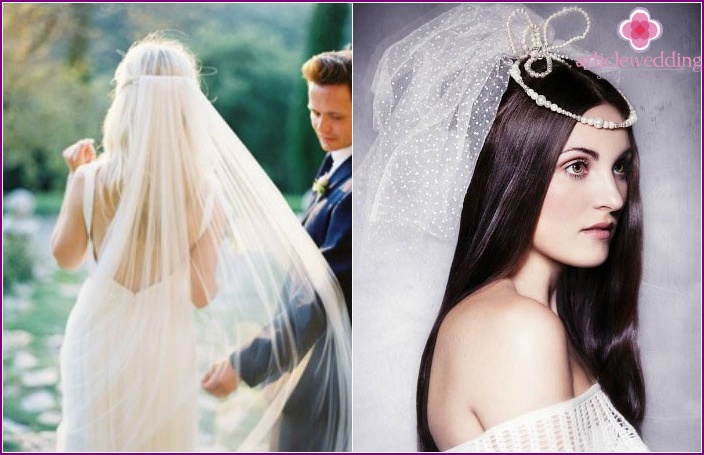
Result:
<point x="49" y="310"/>
<point x="10" y="446"/>
<point x="44" y="318"/>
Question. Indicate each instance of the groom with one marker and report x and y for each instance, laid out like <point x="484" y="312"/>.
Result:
<point x="328" y="221"/>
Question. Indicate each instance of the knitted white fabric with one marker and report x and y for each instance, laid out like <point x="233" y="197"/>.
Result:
<point x="587" y="423"/>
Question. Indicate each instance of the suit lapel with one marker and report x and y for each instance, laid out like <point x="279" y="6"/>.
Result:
<point x="324" y="167"/>
<point x="341" y="174"/>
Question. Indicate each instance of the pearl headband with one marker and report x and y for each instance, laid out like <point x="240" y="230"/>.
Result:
<point x="538" y="50"/>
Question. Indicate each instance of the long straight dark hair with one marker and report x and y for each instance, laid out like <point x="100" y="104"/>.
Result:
<point x="598" y="306"/>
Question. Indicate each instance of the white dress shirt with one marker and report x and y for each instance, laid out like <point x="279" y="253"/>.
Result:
<point x="339" y="157"/>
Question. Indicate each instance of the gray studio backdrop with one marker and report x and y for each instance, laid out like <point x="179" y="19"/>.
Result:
<point x="669" y="139"/>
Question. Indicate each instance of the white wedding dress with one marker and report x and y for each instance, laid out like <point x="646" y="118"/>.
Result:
<point x="586" y="423"/>
<point x="128" y="365"/>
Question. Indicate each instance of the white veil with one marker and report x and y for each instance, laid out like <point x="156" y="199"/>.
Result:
<point x="192" y="218"/>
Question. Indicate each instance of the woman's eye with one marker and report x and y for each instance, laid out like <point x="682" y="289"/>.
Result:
<point x="620" y="168"/>
<point x="578" y="168"/>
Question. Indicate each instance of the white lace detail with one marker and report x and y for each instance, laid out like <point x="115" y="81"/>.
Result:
<point x="587" y="423"/>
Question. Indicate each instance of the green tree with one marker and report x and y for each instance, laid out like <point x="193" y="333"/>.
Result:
<point x="46" y="105"/>
<point x="78" y="40"/>
<point x="250" y="89"/>
<point x="58" y="60"/>
<point x="329" y="30"/>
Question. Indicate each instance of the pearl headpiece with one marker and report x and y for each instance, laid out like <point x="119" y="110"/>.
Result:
<point x="539" y="49"/>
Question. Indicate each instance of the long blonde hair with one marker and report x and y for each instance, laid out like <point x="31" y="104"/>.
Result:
<point x="155" y="55"/>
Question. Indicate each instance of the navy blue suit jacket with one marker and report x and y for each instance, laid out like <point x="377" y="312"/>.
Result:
<point x="328" y="220"/>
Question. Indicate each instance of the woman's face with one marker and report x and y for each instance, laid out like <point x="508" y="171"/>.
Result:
<point x="586" y="193"/>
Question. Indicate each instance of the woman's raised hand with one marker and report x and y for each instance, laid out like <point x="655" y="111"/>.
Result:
<point x="78" y="154"/>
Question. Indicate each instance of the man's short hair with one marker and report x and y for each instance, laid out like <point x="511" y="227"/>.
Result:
<point x="329" y="68"/>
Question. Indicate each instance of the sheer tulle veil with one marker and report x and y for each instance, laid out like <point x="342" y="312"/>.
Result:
<point x="193" y="218"/>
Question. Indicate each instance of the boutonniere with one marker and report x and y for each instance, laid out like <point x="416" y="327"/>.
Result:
<point x="320" y="185"/>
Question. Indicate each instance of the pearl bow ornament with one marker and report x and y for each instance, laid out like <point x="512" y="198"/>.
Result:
<point x="540" y="49"/>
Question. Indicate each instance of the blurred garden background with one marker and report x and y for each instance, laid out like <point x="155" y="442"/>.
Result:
<point x="58" y="62"/>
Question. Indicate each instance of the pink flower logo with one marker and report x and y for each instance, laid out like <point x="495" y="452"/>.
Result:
<point x="639" y="29"/>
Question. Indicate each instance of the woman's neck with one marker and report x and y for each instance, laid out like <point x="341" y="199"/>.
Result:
<point x="536" y="278"/>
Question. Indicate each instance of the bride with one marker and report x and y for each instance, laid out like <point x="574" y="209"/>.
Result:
<point x="177" y="215"/>
<point x="502" y="191"/>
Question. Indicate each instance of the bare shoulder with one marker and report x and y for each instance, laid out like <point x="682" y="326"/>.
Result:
<point x="499" y="318"/>
<point x="506" y="354"/>
<point x="75" y="191"/>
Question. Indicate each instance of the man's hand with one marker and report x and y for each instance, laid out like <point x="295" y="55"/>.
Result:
<point x="221" y="380"/>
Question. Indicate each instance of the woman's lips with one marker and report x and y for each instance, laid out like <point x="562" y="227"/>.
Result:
<point x="601" y="231"/>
